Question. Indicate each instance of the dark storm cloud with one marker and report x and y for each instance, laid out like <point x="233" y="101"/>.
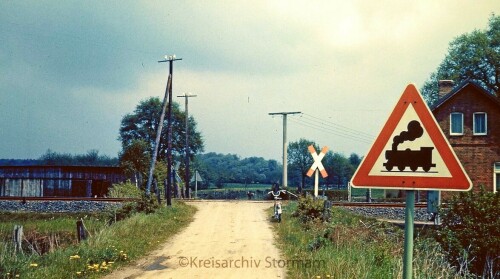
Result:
<point x="68" y="44"/>
<point x="69" y="70"/>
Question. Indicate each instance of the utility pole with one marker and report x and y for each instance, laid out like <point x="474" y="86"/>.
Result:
<point x="168" y="191"/>
<point x="186" y="96"/>
<point x="285" y="145"/>
<point x="158" y="136"/>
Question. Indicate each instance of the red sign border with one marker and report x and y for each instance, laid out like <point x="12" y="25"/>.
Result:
<point x="459" y="181"/>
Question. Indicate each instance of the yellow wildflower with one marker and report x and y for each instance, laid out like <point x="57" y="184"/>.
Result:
<point x="34" y="265"/>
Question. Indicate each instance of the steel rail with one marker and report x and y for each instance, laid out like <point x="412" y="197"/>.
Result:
<point x="376" y="204"/>
<point x="67" y="199"/>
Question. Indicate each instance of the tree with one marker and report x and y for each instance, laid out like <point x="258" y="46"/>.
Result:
<point x="135" y="158"/>
<point x="299" y="159"/>
<point x="340" y="169"/>
<point x="355" y="160"/>
<point x="471" y="56"/>
<point x="469" y="232"/>
<point x="143" y="123"/>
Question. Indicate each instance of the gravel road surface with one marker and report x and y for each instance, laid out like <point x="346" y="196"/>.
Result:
<point x="227" y="239"/>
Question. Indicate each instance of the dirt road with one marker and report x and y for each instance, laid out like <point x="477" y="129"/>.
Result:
<point x="227" y="239"/>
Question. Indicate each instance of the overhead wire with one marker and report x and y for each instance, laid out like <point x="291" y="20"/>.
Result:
<point x="333" y="128"/>
<point x="338" y="126"/>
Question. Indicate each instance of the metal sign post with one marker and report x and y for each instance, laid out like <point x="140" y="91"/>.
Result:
<point x="409" y="225"/>
<point x="316" y="182"/>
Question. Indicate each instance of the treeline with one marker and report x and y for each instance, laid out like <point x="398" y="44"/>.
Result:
<point x="217" y="169"/>
<point x="19" y="162"/>
<point x="91" y="158"/>
<point x="52" y="158"/>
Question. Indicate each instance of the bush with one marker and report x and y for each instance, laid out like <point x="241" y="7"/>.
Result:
<point x="125" y="190"/>
<point x="143" y="203"/>
<point x="333" y="195"/>
<point x="469" y="233"/>
<point x="309" y="209"/>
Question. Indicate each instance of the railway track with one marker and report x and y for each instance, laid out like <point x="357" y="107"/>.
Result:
<point x="345" y="204"/>
<point x="376" y="204"/>
<point x="66" y="199"/>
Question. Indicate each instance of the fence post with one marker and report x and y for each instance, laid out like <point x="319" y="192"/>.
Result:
<point x="18" y="238"/>
<point x="368" y="195"/>
<point x="80" y="230"/>
<point x="157" y="190"/>
<point x="327" y="214"/>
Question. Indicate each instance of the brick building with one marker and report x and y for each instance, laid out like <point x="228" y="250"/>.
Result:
<point x="470" y="119"/>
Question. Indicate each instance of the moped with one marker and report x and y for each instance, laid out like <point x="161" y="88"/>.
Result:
<point x="278" y="210"/>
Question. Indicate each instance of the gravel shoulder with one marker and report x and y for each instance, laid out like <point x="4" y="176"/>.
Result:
<point x="227" y="239"/>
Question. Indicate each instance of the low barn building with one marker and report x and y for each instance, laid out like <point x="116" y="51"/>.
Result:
<point x="58" y="181"/>
<point x="470" y="119"/>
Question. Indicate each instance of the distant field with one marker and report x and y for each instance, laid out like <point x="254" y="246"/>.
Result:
<point x="241" y="186"/>
<point x="376" y="193"/>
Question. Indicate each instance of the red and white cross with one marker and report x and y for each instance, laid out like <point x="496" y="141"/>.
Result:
<point x="317" y="161"/>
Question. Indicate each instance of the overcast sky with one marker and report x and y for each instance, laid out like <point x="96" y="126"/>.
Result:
<point x="70" y="70"/>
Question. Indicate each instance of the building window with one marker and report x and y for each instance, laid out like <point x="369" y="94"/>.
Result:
<point x="456" y="123"/>
<point x="479" y="124"/>
<point x="496" y="177"/>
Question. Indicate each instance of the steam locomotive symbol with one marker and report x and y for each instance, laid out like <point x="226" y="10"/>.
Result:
<point x="409" y="158"/>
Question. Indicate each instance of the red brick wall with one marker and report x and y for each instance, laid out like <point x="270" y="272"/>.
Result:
<point x="476" y="153"/>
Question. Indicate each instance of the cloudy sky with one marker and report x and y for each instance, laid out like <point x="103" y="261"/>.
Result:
<point x="70" y="70"/>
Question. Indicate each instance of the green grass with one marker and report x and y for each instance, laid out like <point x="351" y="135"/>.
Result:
<point x="359" y="192"/>
<point x="108" y="247"/>
<point x="240" y="187"/>
<point x="352" y="246"/>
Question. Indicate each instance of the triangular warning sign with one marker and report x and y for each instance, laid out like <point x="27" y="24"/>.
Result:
<point x="411" y="152"/>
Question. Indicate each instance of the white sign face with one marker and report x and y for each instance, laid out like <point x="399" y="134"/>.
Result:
<point x="407" y="147"/>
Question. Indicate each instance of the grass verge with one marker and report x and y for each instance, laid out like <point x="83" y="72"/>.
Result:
<point x="351" y="246"/>
<point x="108" y="247"/>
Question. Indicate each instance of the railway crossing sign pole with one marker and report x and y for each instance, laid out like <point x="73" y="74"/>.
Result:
<point x="411" y="153"/>
<point x="317" y="166"/>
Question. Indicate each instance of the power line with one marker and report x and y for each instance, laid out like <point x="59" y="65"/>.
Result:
<point x="313" y="124"/>
<point x="331" y="130"/>
<point x="344" y="128"/>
